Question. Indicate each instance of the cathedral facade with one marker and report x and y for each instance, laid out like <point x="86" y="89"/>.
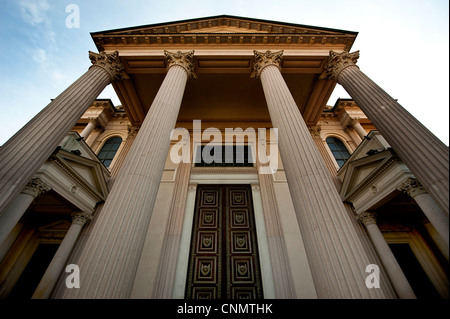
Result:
<point x="224" y="174"/>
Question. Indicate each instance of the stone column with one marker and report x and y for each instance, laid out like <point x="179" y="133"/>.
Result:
<point x="437" y="218"/>
<point x="12" y="215"/>
<point x="58" y="263"/>
<point x="424" y="154"/>
<point x="393" y="269"/>
<point x="24" y="153"/>
<point x="93" y="123"/>
<point x="111" y="254"/>
<point x="354" y="122"/>
<point x="336" y="256"/>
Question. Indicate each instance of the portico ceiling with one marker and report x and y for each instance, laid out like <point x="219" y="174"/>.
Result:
<point x="224" y="59"/>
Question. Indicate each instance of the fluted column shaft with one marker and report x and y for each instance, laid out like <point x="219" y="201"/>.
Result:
<point x="434" y="214"/>
<point x="393" y="269"/>
<point x="51" y="275"/>
<point x="111" y="254"/>
<point x="24" y="153"/>
<point x="336" y="256"/>
<point x="424" y="154"/>
<point x="15" y="211"/>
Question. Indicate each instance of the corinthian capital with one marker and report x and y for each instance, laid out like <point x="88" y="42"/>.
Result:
<point x="412" y="187"/>
<point x="185" y="60"/>
<point x="263" y="59"/>
<point x="81" y="218"/>
<point x="338" y="62"/>
<point x="367" y="218"/>
<point x="36" y="187"/>
<point x="110" y="63"/>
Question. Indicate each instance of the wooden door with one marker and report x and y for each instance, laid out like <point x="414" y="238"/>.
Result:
<point x="224" y="261"/>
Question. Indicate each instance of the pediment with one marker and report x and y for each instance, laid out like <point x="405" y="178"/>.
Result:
<point x="361" y="171"/>
<point x="224" y="24"/>
<point x="222" y="30"/>
<point x="87" y="171"/>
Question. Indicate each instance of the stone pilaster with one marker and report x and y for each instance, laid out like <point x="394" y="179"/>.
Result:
<point x="393" y="269"/>
<point x="111" y="254"/>
<point x="329" y="236"/>
<point x="132" y="133"/>
<point x="424" y="154"/>
<point x="278" y="251"/>
<point x="168" y="260"/>
<point x="437" y="218"/>
<point x="24" y="153"/>
<point x="330" y="164"/>
<point x="18" y="207"/>
<point x="58" y="263"/>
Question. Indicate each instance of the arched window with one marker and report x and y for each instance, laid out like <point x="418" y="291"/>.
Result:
<point x="338" y="149"/>
<point x="109" y="150"/>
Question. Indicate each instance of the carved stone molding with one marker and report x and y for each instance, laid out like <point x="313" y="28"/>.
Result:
<point x="133" y="130"/>
<point x="353" y="121"/>
<point x="185" y="60"/>
<point x="315" y="131"/>
<point x="96" y="122"/>
<point x="263" y="59"/>
<point x="81" y="218"/>
<point x="412" y="187"/>
<point x="337" y="62"/>
<point x="110" y="63"/>
<point x="367" y="218"/>
<point x="36" y="187"/>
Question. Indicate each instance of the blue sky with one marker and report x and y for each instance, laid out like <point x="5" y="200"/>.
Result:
<point x="404" y="46"/>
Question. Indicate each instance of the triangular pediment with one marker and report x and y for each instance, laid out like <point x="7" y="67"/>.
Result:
<point x="224" y="24"/>
<point x="362" y="170"/>
<point x="220" y="30"/>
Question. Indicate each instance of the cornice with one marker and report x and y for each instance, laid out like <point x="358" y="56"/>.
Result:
<point x="235" y="39"/>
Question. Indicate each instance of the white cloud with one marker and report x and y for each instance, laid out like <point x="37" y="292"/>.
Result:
<point x="39" y="55"/>
<point x="34" y="11"/>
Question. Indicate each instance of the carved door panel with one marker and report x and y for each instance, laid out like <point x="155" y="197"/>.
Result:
<point x="224" y="261"/>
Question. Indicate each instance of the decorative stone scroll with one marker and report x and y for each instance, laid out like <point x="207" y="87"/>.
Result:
<point x="263" y="59"/>
<point x="110" y="63"/>
<point x="367" y="218"/>
<point x="185" y="60"/>
<point x="36" y="187"/>
<point x="338" y="62"/>
<point x="81" y="218"/>
<point x="412" y="187"/>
